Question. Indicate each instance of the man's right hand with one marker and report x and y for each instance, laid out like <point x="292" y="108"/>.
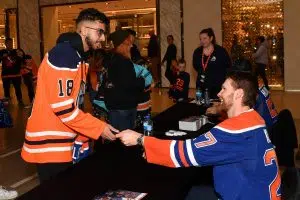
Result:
<point x="107" y="133"/>
<point x="216" y="108"/>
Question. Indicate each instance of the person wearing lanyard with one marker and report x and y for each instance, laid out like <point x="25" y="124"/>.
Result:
<point x="211" y="61"/>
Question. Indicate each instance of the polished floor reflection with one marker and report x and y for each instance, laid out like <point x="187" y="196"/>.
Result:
<point x="14" y="172"/>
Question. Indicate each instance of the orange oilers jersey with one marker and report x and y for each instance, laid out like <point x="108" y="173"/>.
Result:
<point x="56" y="119"/>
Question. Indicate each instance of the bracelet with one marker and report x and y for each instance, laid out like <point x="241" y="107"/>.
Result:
<point x="140" y="140"/>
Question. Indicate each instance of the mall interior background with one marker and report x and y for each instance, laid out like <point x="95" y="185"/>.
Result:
<point x="247" y="18"/>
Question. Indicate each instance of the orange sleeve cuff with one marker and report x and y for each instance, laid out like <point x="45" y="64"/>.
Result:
<point x="158" y="151"/>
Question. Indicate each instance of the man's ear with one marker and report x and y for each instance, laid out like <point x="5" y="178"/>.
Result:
<point x="239" y="93"/>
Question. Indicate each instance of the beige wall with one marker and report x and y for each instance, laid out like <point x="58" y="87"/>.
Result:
<point x="50" y="27"/>
<point x="8" y="3"/>
<point x="197" y="15"/>
<point x="29" y="32"/>
<point x="291" y="45"/>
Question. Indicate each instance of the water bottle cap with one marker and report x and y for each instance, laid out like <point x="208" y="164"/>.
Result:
<point x="149" y="128"/>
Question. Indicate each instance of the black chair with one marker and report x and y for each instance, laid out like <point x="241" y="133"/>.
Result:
<point x="290" y="184"/>
<point x="284" y="137"/>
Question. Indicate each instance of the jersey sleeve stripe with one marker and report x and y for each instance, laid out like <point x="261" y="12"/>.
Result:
<point x="240" y="130"/>
<point x="71" y="117"/>
<point x="49" y="149"/>
<point x="62" y="112"/>
<point x="63" y="103"/>
<point x="181" y="154"/>
<point x="172" y="153"/>
<point x="51" y="141"/>
<point x="50" y="133"/>
<point x="190" y="153"/>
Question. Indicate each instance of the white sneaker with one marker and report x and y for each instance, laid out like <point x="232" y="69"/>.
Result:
<point x="7" y="194"/>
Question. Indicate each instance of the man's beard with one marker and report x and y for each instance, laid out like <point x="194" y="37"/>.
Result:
<point x="91" y="44"/>
<point x="228" y="102"/>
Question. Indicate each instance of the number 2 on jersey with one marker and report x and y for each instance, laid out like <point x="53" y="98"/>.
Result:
<point x="270" y="159"/>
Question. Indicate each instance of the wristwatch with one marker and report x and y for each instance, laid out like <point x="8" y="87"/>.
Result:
<point x="140" y="140"/>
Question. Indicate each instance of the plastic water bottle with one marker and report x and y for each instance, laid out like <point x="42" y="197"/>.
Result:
<point x="198" y="96"/>
<point x="206" y="98"/>
<point x="148" y="126"/>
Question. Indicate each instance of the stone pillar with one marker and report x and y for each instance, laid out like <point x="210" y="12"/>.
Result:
<point x="29" y="33"/>
<point x="170" y="24"/>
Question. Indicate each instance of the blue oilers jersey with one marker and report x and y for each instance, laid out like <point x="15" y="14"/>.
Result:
<point x="265" y="107"/>
<point x="240" y="151"/>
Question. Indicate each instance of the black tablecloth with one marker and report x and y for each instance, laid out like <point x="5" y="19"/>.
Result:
<point x="115" y="166"/>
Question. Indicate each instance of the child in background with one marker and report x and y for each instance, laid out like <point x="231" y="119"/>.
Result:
<point x="180" y="88"/>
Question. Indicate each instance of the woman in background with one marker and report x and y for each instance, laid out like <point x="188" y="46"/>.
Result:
<point x="211" y="61"/>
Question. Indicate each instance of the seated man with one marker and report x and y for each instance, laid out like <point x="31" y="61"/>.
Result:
<point x="245" y="163"/>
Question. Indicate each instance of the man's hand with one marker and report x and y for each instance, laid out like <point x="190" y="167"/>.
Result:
<point x="128" y="137"/>
<point x="216" y="108"/>
<point x="107" y="133"/>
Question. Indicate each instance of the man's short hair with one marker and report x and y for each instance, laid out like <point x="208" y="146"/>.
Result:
<point x="131" y="32"/>
<point x="248" y="83"/>
<point x="91" y="14"/>
<point x="170" y="36"/>
<point x="8" y="39"/>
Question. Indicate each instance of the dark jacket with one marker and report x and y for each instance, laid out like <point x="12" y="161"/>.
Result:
<point x="216" y="70"/>
<point x="11" y="64"/>
<point x="153" y="48"/>
<point x="135" y="54"/>
<point x="170" y="55"/>
<point x="122" y="88"/>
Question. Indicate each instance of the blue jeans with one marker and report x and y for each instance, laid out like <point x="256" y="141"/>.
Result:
<point x="122" y="119"/>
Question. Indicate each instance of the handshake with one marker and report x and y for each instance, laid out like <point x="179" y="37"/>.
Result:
<point x="127" y="137"/>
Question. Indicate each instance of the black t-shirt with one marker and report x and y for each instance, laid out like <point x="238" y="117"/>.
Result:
<point x="180" y="89"/>
<point x="11" y="64"/>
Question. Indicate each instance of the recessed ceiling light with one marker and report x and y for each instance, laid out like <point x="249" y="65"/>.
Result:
<point x="106" y="3"/>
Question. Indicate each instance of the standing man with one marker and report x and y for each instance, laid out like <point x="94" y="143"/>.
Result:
<point x="56" y="120"/>
<point x="239" y="148"/>
<point x="171" y="54"/>
<point x="153" y="54"/>
<point x="11" y="66"/>
<point x="122" y="88"/>
<point x="261" y="59"/>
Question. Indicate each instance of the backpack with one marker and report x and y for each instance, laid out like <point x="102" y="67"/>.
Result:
<point x="5" y="118"/>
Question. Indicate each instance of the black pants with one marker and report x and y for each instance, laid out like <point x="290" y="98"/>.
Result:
<point x="46" y="171"/>
<point x="27" y="78"/>
<point x="16" y="81"/>
<point x="122" y="119"/>
<point x="260" y="71"/>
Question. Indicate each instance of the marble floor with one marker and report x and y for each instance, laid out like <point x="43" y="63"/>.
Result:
<point x="17" y="174"/>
